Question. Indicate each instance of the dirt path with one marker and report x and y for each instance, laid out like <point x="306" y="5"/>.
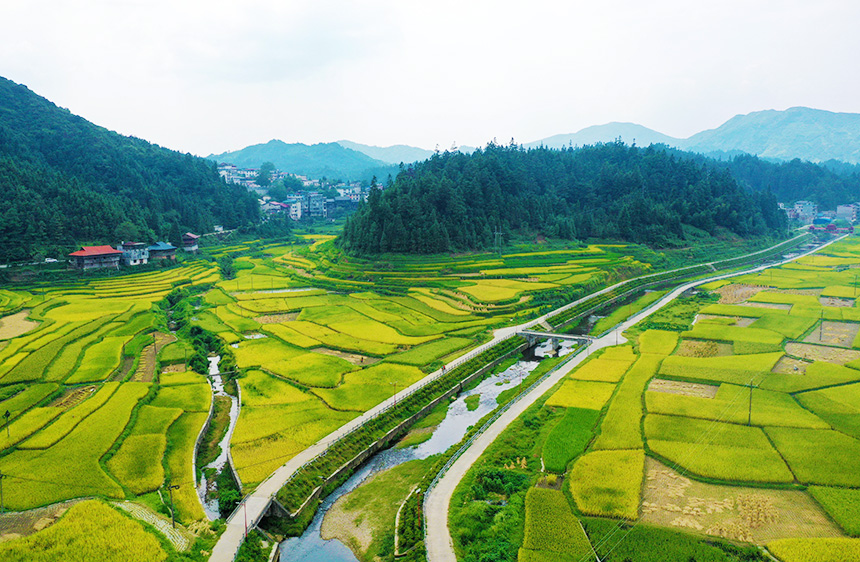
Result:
<point x="438" y="539"/>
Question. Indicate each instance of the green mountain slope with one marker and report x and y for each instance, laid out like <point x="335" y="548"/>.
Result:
<point x="325" y="159"/>
<point x="65" y="181"/>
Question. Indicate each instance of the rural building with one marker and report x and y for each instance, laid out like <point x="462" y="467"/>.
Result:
<point x="805" y="210"/>
<point x="134" y="253"/>
<point x="296" y="210"/>
<point x="189" y="242"/>
<point x="162" y="251"/>
<point x="94" y="257"/>
<point x="848" y="212"/>
<point x="313" y="205"/>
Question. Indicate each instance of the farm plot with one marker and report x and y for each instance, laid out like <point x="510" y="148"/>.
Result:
<point x="839" y="406"/>
<point x="605" y="368"/>
<point x="431" y="351"/>
<point x="70" y="420"/>
<point x="839" y="334"/>
<point x="659" y="342"/>
<point x="717" y="450"/>
<point x="756" y="515"/>
<point x="551" y="531"/>
<point x="836" y="355"/>
<point x="41" y="477"/>
<point x="88" y="531"/>
<point x="99" y="360"/>
<point x="817" y="456"/>
<point x="621" y="426"/>
<point x="361" y="390"/>
<point x="608" y="483"/>
<point x="817" y="375"/>
<point x="819" y="550"/>
<point x="737" y="369"/>
<point x="582" y="394"/>
<point x="15" y="325"/>
<point x="568" y="439"/>
<point x="311" y="369"/>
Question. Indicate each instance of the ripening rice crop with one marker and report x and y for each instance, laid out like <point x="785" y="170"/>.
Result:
<point x="789" y="326"/>
<point x="181" y="438"/>
<point x="568" y="438"/>
<point x="137" y="463"/>
<point x="100" y="360"/>
<point x="90" y="530"/>
<point x="818" y="374"/>
<point x="29" y="396"/>
<point x="660" y="342"/>
<point x="707" y="331"/>
<point x="186" y="397"/>
<point x="742" y="311"/>
<point x="839" y="406"/>
<point x="69" y="420"/>
<point x="582" y="394"/>
<point x="819" y="456"/>
<point x="600" y="369"/>
<point x="154" y="420"/>
<point x="716" y="450"/>
<point x="291" y="336"/>
<point x="737" y="369"/>
<point x="27" y="424"/>
<point x="41" y="477"/>
<point x="620" y="428"/>
<point x="428" y="352"/>
<point x="184" y="377"/>
<point x="817" y="550"/>
<point x="842" y="504"/>
<point x="361" y="390"/>
<point x="336" y="340"/>
<point x="311" y="369"/>
<point x="608" y="483"/>
<point x="551" y="528"/>
<point x="235" y="317"/>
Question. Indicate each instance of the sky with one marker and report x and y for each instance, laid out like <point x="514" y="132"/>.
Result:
<point x="208" y="77"/>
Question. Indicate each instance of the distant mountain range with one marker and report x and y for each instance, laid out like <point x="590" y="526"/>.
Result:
<point x="799" y="132"/>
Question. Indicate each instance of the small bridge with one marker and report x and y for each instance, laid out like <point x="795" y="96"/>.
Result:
<point x="532" y="337"/>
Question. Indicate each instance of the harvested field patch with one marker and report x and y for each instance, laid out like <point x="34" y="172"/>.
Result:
<point x="754" y="515"/>
<point x="840" y="334"/>
<point x="277" y="318"/>
<point x="771" y="305"/>
<point x="734" y="294"/>
<point x="16" y="324"/>
<point x="684" y="388"/>
<point x="837" y="302"/>
<point x="24" y="523"/>
<point x="354" y="358"/>
<point x="703" y="348"/>
<point x="790" y="366"/>
<point x="837" y="355"/>
<point x="73" y="397"/>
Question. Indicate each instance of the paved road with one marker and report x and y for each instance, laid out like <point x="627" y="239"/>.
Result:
<point x="253" y="507"/>
<point x="439" y="545"/>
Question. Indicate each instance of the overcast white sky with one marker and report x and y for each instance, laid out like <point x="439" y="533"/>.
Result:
<point x="215" y="75"/>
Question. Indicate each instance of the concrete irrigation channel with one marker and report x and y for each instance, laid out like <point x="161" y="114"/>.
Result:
<point x="437" y="501"/>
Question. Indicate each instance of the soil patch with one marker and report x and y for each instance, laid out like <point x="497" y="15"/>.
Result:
<point x="744" y="322"/>
<point x="773" y="305"/>
<point x="353" y="358"/>
<point x="837" y="355"/>
<point x="684" y="388"/>
<point x="790" y="366"/>
<point x="23" y="523"/>
<point x="124" y="368"/>
<point x="146" y="366"/>
<point x="833" y="301"/>
<point x="840" y="334"/>
<point x="356" y="532"/>
<point x="703" y="348"/>
<point x="755" y="515"/>
<point x="175" y="368"/>
<point x="16" y="324"/>
<point x="277" y="318"/>
<point x="734" y="294"/>
<point x="73" y="397"/>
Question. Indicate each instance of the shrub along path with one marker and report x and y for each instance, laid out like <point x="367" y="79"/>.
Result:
<point x="438" y="541"/>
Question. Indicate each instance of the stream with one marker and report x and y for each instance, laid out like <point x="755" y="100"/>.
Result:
<point x="205" y="488"/>
<point x="311" y="547"/>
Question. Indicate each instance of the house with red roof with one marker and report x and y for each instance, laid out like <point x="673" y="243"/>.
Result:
<point x="189" y="241"/>
<point x="94" y="257"/>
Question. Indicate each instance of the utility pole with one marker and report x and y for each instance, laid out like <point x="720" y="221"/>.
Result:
<point x="749" y="412"/>
<point x="6" y="415"/>
<point x="821" y="328"/>
<point x="395" y="392"/>
<point x="172" y="510"/>
<point x="2" y="509"/>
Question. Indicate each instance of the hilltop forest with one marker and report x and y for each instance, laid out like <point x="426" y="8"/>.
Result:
<point x="65" y="181"/>
<point x="455" y="201"/>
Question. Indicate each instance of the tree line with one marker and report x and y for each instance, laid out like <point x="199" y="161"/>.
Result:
<point x="454" y="201"/>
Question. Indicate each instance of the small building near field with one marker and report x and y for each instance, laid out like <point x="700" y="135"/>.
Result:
<point x="95" y="257"/>
<point x="162" y="251"/>
<point x="134" y="253"/>
<point x="189" y="242"/>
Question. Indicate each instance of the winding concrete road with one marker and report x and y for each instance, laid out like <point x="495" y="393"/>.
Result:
<point x="439" y="545"/>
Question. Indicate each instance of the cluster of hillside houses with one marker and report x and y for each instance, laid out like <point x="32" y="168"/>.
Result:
<point x="129" y="253"/>
<point x="306" y="204"/>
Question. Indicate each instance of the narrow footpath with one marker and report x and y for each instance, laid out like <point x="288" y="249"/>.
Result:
<point x="440" y="548"/>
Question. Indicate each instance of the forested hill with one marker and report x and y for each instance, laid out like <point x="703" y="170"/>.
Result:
<point x="611" y="191"/>
<point x="65" y="181"/>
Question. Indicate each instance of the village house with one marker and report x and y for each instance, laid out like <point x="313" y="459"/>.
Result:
<point x="94" y="257"/>
<point x="134" y="253"/>
<point x="162" y="251"/>
<point x="189" y="242"/>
